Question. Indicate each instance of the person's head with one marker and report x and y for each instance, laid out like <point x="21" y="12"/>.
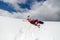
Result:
<point x="28" y="15"/>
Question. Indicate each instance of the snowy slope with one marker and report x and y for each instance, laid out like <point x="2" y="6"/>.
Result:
<point x="20" y="29"/>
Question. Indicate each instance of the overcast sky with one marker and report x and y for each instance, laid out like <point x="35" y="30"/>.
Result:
<point x="47" y="10"/>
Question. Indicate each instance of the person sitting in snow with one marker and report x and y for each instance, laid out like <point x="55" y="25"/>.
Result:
<point x="32" y="21"/>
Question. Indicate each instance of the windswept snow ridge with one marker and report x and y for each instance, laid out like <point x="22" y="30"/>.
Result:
<point x="21" y="29"/>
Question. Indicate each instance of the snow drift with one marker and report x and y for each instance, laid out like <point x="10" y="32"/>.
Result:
<point x="20" y="29"/>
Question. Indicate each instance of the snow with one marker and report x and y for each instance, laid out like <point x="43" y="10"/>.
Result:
<point x="21" y="29"/>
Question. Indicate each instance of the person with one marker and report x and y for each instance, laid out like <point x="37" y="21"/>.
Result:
<point x="32" y="21"/>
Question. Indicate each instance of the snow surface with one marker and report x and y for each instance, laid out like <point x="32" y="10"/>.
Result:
<point x="21" y="29"/>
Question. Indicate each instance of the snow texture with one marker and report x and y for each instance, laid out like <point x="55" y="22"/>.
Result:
<point x="21" y="29"/>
